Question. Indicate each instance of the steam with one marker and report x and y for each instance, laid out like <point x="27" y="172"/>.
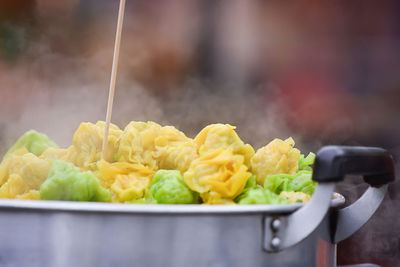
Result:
<point x="53" y="93"/>
<point x="47" y="96"/>
<point x="57" y="107"/>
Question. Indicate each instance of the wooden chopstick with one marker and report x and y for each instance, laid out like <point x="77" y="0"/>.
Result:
<point x="113" y="79"/>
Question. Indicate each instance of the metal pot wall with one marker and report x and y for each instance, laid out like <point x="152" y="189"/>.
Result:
<point x="39" y="233"/>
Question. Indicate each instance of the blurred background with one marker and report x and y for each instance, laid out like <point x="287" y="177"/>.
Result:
<point x="323" y="73"/>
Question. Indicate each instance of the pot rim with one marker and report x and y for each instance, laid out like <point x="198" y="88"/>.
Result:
<point x="155" y="209"/>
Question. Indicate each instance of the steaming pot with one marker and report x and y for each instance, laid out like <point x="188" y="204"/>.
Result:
<point x="47" y="233"/>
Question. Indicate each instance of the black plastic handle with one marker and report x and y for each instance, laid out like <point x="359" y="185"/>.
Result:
<point x="332" y="163"/>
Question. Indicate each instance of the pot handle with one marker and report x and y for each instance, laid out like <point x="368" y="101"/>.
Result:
<point x="331" y="165"/>
<point x="377" y="168"/>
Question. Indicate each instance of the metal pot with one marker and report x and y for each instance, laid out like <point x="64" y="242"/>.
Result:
<point x="39" y="233"/>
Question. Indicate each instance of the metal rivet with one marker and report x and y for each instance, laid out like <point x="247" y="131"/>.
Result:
<point x="275" y="242"/>
<point x="276" y="224"/>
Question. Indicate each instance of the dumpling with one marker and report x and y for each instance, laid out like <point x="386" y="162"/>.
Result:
<point x="87" y="145"/>
<point x="14" y="187"/>
<point x="126" y="181"/>
<point x="277" y="157"/>
<point x="22" y="172"/>
<point x="68" y="183"/>
<point x="219" y="171"/>
<point x="167" y="187"/>
<point x="177" y="157"/>
<point x="219" y="135"/>
<point x="156" y="147"/>
<point x="174" y="151"/>
<point x="33" y="141"/>
<point x="137" y="144"/>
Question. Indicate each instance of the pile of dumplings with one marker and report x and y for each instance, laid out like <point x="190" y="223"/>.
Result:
<point x="216" y="167"/>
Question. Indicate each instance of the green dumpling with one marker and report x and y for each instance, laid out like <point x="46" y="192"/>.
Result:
<point x="259" y="195"/>
<point x="35" y="142"/>
<point x="300" y="182"/>
<point x="305" y="163"/>
<point x="67" y="182"/>
<point x="168" y="187"/>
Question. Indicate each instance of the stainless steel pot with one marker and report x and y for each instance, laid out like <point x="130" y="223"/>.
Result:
<point x="39" y="233"/>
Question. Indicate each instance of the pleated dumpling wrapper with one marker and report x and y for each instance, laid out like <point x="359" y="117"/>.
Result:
<point x="87" y="143"/>
<point x="222" y="166"/>
<point x="275" y="158"/>
<point x="22" y="174"/>
<point x="156" y="147"/>
<point x="174" y="151"/>
<point x="126" y="181"/>
<point x="220" y="171"/>
<point x="137" y="144"/>
<point x="219" y="135"/>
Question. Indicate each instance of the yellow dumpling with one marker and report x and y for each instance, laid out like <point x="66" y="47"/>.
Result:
<point x="14" y="186"/>
<point x="87" y="144"/>
<point x="277" y="157"/>
<point x="217" y="136"/>
<point x="5" y="164"/>
<point x="177" y="157"/>
<point x="174" y="151"/>
<point x="220" y="171"/>
<point x="19" y="174"/>
<point x="156" y="147"/>
<point x="137" y="144"/>
<point x="127" y="181"/>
